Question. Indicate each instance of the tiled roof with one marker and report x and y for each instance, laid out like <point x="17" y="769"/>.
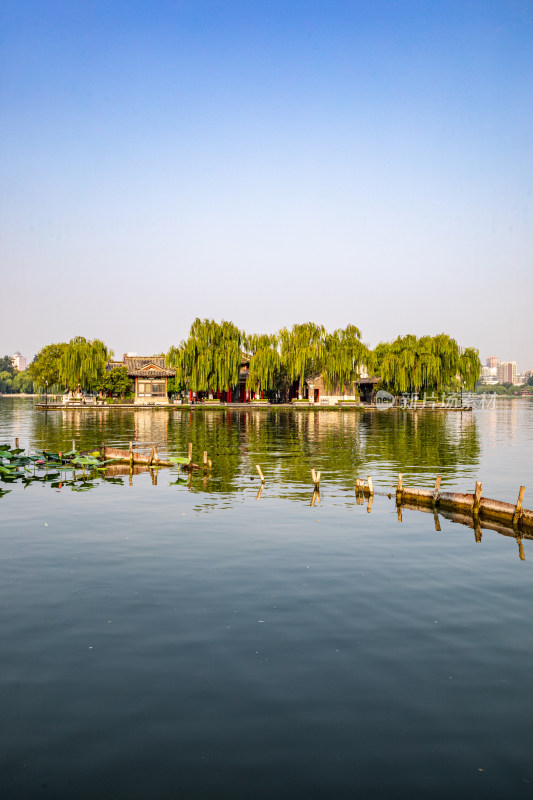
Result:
<point x="143" y="367"/>
<point x="148" y="366"/>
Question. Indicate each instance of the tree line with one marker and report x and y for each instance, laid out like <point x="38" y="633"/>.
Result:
<point x="13" y="381"/>
<point x="211" y="357"/>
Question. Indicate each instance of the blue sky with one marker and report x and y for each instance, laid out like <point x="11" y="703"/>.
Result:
<point x="269" y="163"/>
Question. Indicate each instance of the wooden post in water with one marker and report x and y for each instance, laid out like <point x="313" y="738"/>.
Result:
<point x="258" y="468"/>
<point x="399" y="489"/>
<point x="370" y="487"/>
<point x="16" y="444"/>
<point x="518" y="510"/>
<point x="131" y="456"/>
<point x="477" y="497"/>
<point x="190" y="451"/>
<point x="521" y="553"/>
<point x="210" y="463"/>
<point x="436" y="489"/>
<point x="74" y="444"/>
<point x="370" y="501"/>
<point x="205" y="460"/>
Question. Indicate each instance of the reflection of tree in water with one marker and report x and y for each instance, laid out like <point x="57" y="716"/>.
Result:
<point x="220" y="434"/>
<point x="55" y="430"/>
<point x="421" y="444"/>
<point x="286" y="443"/>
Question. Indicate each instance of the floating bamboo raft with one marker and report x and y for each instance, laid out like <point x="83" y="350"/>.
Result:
<point x="134" y="457"/>
<point x="472" y="506"/>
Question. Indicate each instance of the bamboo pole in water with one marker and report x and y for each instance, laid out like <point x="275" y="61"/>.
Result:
<point x="518" y="509"/>
<point x="477" y="497"/>
<point x="399" y="488"/>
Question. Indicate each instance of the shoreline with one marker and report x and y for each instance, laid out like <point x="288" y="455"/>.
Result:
<point x="200" y="407"/>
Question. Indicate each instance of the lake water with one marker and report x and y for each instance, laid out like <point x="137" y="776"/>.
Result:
<point x="167" y="638"/>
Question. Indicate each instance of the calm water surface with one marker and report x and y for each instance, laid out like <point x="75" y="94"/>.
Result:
<point x="192" y="640"/>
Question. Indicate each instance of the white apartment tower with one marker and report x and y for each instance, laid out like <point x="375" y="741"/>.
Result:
<point x="18" y="361"/>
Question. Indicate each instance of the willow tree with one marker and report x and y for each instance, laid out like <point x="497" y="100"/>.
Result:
<point x="265" y="361"/>
<point x="303" y="351"/>
<point x="433" y="363"/>
<point x="345" y="356"/>
<point x="210" y="359"/>
<point x="410" y="364"/>
<point x="83" y="362"/>
<point x="469" y="368"/>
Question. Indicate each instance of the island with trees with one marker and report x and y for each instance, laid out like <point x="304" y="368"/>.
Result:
<point x="219" y="362"/>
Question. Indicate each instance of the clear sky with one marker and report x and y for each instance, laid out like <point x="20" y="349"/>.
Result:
<point x="266" y="162"/>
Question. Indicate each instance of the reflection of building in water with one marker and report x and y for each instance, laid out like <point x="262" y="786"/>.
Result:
<point x="151" y="427"/>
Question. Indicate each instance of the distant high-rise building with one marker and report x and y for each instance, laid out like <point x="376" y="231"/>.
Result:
<point x="507" y="372"/>
<point x="18" y="361"/>
<point x="492" y="361"/>
<point x="489" y="375"/>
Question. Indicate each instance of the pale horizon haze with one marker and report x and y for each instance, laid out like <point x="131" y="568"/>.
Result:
<point x="266" y="163"/>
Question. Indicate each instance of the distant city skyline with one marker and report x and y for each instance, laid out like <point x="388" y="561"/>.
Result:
<point x="267" y="163"/>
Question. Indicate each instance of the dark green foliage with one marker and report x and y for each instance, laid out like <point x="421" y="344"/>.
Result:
<point x="115" y="382"/>
<point x="44" y="369"/>
<point x="6" y="365"/>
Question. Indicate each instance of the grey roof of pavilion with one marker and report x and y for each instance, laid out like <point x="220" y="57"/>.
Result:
<point x="143" y="367"/>
<point x="148" y="367"/>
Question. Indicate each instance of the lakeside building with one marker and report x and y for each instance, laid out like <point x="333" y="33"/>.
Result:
<point x="492" y="362"/>
<point x="359" y="391"/>
<point x="19" y="361"/>
<point x="150" y="375"/>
